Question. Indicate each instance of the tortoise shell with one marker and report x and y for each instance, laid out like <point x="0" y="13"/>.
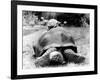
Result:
<point x="56" y="37"/>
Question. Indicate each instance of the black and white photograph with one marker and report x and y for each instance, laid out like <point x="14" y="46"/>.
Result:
<point x="53" y="39"/>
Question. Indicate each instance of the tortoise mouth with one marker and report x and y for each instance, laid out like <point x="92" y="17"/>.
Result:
<point x="56" y="58"/>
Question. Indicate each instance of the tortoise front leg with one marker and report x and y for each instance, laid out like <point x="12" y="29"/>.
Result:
<point x="44" y="60"/>
<point x="71" y="56"/>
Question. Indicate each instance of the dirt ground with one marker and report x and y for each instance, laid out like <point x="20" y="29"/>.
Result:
<point x="30" y="35"/>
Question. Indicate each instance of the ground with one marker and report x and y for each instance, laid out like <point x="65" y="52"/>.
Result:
<point x="30" y="35"/>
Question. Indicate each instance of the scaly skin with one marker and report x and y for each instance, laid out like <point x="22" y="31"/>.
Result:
<point x="44" y="60"/>
<point x="71" y="56"/>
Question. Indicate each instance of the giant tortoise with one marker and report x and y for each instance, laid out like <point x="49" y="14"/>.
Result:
<point x="56" y="47"/>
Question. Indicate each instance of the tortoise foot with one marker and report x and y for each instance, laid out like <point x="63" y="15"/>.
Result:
<point x="70" y="56"/>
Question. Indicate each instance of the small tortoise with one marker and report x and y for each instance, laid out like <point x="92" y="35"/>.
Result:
<point x="52" y="23"/>
<point x="56" y="47"/>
